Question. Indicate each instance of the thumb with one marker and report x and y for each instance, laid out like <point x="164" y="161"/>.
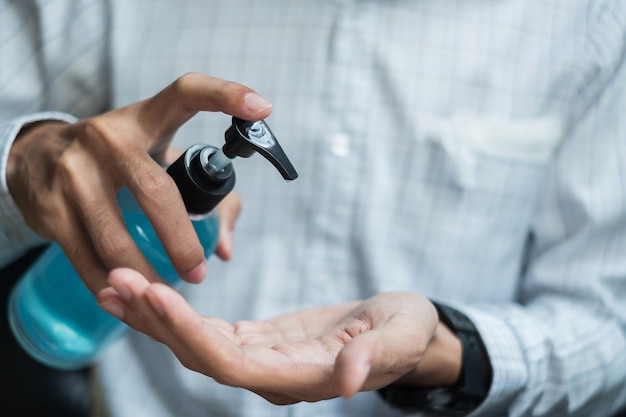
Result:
<point x="165" y="112"/>
<point x="352" y="366"/>
<point x="376" y="358"/>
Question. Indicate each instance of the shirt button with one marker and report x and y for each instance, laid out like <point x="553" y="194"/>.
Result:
<point x="340" y="145"/>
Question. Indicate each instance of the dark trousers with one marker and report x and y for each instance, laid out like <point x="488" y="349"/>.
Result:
<point x="30" y="389"/>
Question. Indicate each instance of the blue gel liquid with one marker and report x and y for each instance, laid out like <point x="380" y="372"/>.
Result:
<point x="57" y="320"/>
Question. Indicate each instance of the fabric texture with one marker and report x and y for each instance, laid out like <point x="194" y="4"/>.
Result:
<point x="471" y="151"/>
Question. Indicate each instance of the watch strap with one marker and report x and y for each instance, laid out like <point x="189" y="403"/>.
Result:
<point x="474" y="382"/>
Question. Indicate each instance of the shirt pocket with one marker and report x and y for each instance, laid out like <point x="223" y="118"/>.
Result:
<point x="485" y="176"/>
<point x="480" y="150"/>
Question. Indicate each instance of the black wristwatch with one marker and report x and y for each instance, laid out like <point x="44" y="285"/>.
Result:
<point x="473" y="385"/>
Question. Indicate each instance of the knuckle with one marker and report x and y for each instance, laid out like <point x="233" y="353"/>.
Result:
<point x="198" y="91"/>
<point x="69" y="168"/>
<point x="115" y="245"/>
<point x="92" y="128"/>
<point x="191" y="250"/>
<point x="187" y="253"/>
<point x="191" y="258"/>
<point x="94" y="132"/>
<point x="86" y="148"/>
<point x="186" y="79"/>
<point x="155" y="184"/>
<point x="101" y="135"/>
<point x="231" y="89"/>
<point x="110" y="243"/>
<point x="46" y="220"/>
<point x="186" y="83"/>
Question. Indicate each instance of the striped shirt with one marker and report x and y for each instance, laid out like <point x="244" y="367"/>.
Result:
<point x="471" y="151"/>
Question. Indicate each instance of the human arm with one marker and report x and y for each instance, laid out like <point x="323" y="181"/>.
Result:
<point x="55" y="71"/>
<point x="64" y="177"/>
<point x="308" y="355"/>
<point x="562" y="349"/>
<point x="511" y="340"/>
<point x="53" y="68"/>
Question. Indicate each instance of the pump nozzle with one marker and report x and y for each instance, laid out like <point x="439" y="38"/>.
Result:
<point x="204" y="174"/>
<point x="243" y="138"/>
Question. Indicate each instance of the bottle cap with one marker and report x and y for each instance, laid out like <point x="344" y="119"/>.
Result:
<point x="204" y="174"/>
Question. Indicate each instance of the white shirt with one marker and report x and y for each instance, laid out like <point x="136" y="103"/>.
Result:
<point x="472" y="151"/>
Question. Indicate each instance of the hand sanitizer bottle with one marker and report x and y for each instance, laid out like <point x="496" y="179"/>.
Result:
<point x="57" y="320"/>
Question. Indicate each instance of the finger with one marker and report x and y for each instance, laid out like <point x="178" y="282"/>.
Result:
<point x="111" y="302"/>
<point x="86" y="177"/>
<point x="86" y="262"/>
<point x="376" y="358"/>
<point x="164" y="113"/>
<point x="171" y="155"/>
<point x="352" y="366"/>
<point x="108" y="231"/>
<point x="79" y="250"/>
<point x="160" y="201"/>
<point x="228" y="212"/>
<point x="129" y="305"/>
<point x="125" y="299"/>
<point x="128" y="163"/>
<point x="158" y="118"/>
<point x="200" y="344"/>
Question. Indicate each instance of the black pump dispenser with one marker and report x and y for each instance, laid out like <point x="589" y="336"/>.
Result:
<point x="205" y="175"/>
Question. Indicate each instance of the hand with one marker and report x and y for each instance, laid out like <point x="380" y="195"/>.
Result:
<point x="308" y="355"/>
<point x="65" y="177"/>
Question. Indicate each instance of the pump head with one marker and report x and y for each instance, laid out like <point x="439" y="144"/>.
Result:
<point x="243" y="138"/>
<point x="204" y="174"/>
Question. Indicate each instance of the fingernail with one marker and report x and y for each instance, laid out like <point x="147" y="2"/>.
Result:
<point x="255" y="103"/>
<point x="124" y="293"/>
<point x="156" y="305"/>
<point x="113" y="308"/>
<point x="197" y="274"/>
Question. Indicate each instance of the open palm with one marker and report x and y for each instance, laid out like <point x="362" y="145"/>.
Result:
<point x="308" y="355"/>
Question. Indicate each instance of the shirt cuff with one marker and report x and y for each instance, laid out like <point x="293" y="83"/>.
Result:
<point x="15" y="236"/>
<point x="510" y="375"/>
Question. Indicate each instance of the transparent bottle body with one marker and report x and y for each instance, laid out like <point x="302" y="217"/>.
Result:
<point x="57" y="320"/>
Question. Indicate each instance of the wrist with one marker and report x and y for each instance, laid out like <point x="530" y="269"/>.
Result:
<point x="441" y="364"/>
<point x="471" y="387"/>
<point x="27" y="141"/>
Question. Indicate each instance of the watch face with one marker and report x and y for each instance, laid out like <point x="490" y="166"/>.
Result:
<point x="441" y="398"/>
<point x="450" y="401"/>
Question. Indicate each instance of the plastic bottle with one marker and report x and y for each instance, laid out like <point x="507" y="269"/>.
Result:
<point x="53" y="315"/>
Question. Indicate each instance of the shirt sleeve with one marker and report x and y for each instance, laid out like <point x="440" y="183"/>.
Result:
<point x="562" y="349"/>
<point x="53" y="59"/>
<point x="15" y="236"/>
